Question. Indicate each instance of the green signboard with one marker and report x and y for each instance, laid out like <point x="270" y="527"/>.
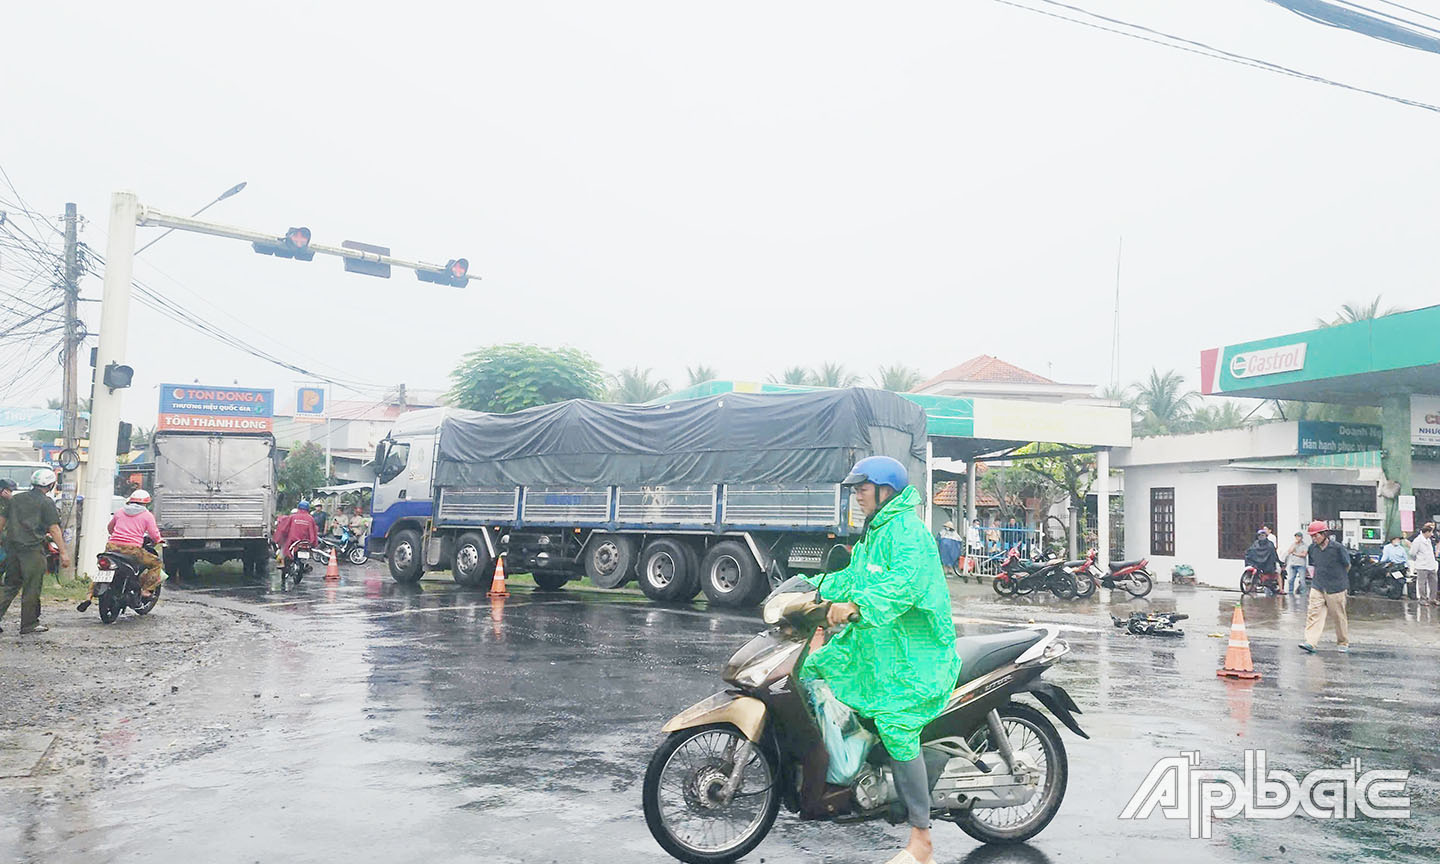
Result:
<point x="1320" y="438"/>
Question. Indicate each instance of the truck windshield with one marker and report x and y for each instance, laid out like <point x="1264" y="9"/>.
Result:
<point x="395" y="460"/>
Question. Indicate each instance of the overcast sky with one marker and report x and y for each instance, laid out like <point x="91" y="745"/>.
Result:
<point x="745" y="185"/>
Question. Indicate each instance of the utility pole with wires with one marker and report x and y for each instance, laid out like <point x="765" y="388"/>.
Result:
<point x="74" y="339"/>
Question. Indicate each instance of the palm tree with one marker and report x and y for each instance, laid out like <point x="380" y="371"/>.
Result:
<point x="1213" y="418"/>
<point x="634" y="385"/>
<point x="797" y="375"/>
<point x="1352" y="312"/>
<point x="897" y="378"/>
<point x="1163" y="403"/>
<point x="834" y="375"/>
<point x="701" y="373"/>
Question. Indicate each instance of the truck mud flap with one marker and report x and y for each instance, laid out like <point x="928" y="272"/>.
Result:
<point x="1057" y="702"/>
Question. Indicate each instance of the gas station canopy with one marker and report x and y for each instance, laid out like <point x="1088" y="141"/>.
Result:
<point x="1355" y="364"/>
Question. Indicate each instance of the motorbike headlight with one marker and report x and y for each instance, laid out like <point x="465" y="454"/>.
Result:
<point x="757" y="673"/>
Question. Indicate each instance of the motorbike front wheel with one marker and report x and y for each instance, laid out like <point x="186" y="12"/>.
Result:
<point x="357" y="555"/>
<point x="1084" y="584"/>
<point x="1003" y="584"/>
<point x="684" y="806"/>
<point x="1062" y="585"/>
<point x="1033" y="737"/>
<point x="1247" y="583"/>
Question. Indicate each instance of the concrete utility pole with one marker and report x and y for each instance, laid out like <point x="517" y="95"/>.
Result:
<point x="105" y="404"/>
<point x="70" y="424"/>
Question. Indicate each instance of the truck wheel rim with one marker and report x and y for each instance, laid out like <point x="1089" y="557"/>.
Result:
<point x="660" y="570"/>
<point x="607" y="557"/>
<point x="403" y="554"/>
<point x="467" y="559"/>
<point x="725" y="574"/>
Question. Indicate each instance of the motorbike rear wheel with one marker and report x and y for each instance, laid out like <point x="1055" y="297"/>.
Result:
<point x="1003" y="584"/>
<point x="109" y="607"/>
<point x="1139" y="583"/>
<point x="1062" y="584"/>
<point x="680" y="796"/>
<point x="1392" y="589"/>
<point x="1031" y="733"/>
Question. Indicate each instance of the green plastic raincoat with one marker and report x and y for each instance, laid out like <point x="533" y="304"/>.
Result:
<point x="897" y="665"/>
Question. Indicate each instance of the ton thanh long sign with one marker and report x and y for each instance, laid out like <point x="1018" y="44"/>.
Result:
<point x="198" y="408"/>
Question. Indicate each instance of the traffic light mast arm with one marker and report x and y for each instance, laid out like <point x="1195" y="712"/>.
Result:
<point x="151" y="217"/>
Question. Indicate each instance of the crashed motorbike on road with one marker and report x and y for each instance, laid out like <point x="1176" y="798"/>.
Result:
<point x="997" y="768"/>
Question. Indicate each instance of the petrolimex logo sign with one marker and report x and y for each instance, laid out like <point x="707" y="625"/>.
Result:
<point x="1268" y="361"/>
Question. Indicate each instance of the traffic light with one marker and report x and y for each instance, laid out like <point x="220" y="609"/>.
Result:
<point x="117" y="377"/>
<point x="122" y="441"/>
<point x="295" y="244"/>
<point x="454" y="273"/>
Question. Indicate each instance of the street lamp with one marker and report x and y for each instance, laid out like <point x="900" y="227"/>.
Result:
<point x="233" y="190"/>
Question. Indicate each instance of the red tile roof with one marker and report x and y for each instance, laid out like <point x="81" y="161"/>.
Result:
<point x="989" y="370"/>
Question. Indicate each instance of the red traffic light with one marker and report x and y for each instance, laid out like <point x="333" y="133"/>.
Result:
<point x="456" y="273"/>
<point x="294" y="244"/>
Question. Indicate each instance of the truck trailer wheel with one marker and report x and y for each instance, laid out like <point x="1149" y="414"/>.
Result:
<point x="729" y="575"/>
<point x="403" y="554"/>
<point x="549" y="581"/>
<point x="473" y="566"/>
<point x="609" y="558"/>
<point x="666" y="573"/>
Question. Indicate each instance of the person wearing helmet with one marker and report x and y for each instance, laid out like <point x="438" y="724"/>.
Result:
<point x="1262" y="556"/>
<point x="129" y="526"/>
<point x="27" y="520"/>
<point x="896" y="663"/>
<point x="296" y="526"/>
<point x="1329" y="586"/>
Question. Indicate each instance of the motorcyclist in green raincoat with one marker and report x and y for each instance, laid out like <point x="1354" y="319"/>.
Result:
<point x="896" y="664"/>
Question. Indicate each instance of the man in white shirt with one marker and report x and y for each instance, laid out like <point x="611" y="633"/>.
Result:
<point x="1422" y="548"/>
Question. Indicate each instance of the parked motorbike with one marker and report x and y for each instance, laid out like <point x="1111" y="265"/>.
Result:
<point x="1132" y="577"/>
<point x="117" y="583"/>
<point x="1020" y="576"/>
<point x="296" y="563"/>
<point x="1151" y="623"/>
<point x="997" y="767"/>
<point x="1252" y="582"/>
<point x="1385" y="578"/>
<point x="348" y="546"/>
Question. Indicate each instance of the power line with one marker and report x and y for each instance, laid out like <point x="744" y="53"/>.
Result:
<point x="1200" y="48"/>
<point x="1419" y="12"/>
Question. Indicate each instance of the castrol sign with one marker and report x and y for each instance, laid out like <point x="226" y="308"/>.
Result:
<point x="1268" y="361"/>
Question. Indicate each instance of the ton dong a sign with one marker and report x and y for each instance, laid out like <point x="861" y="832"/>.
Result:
<point x="198" y="408"/>
<point x="1268" y="361"/>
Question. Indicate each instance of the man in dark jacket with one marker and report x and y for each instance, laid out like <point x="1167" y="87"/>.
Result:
<point x="1329" y="588"/>
<point x="26" y="522"/>
<point x="1261" y="555"/>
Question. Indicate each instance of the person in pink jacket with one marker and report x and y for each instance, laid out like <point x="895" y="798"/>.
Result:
<point x="128" y="529"/>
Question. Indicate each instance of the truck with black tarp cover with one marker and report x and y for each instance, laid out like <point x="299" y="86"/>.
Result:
<point x="723" y="494"/>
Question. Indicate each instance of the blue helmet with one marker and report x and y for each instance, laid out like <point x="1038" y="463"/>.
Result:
<point x="880" y="470"/>
<point x="303" y="505"/>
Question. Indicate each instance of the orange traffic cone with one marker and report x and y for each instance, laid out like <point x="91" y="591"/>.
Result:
<point x="332" y="567"/>
<point x="497" y="586"/>
<point x="1237" y="656"/>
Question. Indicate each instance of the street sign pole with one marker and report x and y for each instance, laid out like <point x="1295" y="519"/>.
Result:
<point x="105" y="407"/>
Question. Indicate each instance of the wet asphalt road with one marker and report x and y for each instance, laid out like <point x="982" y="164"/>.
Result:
<point x="425" y="723"/>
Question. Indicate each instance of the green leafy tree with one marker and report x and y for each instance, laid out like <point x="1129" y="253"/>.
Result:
<point x="700" y="374"/>
<point x="834" y="375"/>
<point x="898" y="378"/>
<point x="302" y="472"/>
<point x="1213" y="417"/>
<point x="141" y="436"/>
<point x="1352" y="312"/>
<point x="634" y="385"/>
<point x="1163" y="403"/>
<point x="795" y="375"/>
<point x="503" y="379"/>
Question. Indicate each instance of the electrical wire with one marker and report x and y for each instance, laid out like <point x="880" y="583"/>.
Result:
<point x="1419" y="12"/>
<point x="1192" y="46"/>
